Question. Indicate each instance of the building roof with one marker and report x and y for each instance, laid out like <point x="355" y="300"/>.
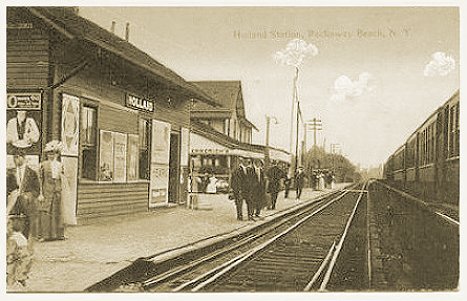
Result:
<point x="228" y="95"/>
<point x="73" y="26"/>
<point x="223" y="139"/>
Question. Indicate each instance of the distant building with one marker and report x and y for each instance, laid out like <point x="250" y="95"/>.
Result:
<point x="229" y="117"/>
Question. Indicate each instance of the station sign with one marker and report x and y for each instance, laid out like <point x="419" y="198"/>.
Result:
<point x="139" y="103"/>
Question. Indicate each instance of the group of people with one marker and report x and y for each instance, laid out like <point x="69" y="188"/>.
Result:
<point x="323" y="180"/>
<point x="258" y="188"/>
<point x="207" y="183"/>
<point x="251" y="184"/>
<point x="35" y="208"/>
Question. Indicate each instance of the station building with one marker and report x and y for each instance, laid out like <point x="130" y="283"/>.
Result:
<point x="221" y="134"/>
<point x="122" y="116"/>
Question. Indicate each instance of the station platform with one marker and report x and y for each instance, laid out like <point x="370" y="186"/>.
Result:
<point x="94" y="251"/>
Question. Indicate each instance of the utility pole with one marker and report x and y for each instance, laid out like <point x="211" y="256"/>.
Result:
<point x="314" y="125"/>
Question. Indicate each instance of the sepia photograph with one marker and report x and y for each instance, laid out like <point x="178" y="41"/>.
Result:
<point x="257" y="148"/>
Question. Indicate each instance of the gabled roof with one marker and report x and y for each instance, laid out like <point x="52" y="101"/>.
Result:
<point x="73" y="26"/>
<point x="227" y="94"/>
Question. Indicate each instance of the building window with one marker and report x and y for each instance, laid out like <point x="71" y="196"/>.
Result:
<point x="144" y="132"/>
<point x="454" y="131"/>
<point x="88" y="142"/>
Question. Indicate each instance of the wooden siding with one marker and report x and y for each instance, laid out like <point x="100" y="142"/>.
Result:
<point x="27" y="58"/>
<point x="110" y="199"/>
<point x="116" y="120"/>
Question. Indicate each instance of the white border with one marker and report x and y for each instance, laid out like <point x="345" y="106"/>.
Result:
<point x="236" y="296"/>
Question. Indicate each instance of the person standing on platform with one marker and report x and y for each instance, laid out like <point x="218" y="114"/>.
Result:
<point x="51" y="175"/>
<point x="299" y="181"/>
<point x="274" y="174"/>
<point x="241" y="188"/>
<point x="287" y="183"/>
<point x="211" y="187"/>
<point x="24" y="199"/>
<point x="259" y="187"/>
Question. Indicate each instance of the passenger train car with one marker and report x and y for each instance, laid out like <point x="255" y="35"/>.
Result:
<point x="427" y="165"/>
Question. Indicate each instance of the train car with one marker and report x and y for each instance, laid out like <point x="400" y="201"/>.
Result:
<point x="427" y="165"/>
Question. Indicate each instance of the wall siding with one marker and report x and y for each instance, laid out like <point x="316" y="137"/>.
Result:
<point x="114" y="199"/>
<point x="27" y="58"/>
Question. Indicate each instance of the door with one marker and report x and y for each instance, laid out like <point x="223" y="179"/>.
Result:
<point x="174" y="167"/>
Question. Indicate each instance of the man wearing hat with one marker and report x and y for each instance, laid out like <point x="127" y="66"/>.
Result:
<point x="27" y="184"/>
<point x="241" y="185"/>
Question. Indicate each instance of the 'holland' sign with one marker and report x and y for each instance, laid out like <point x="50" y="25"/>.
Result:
<point x="139" y="103"/>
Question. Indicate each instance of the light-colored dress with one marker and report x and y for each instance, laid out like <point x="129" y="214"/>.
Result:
<point x="51" y="218"/>
<point x="211" y="188"/>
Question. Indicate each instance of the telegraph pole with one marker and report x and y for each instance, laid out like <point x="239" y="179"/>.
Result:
<point x="314" y="125"/>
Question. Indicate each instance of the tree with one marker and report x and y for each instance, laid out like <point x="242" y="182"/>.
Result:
<point x="317" y="158"/>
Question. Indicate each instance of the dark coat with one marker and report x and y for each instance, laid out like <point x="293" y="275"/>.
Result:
<point x="300" y="179"/>
<point x="259" y="186"/>
<point x="275" y="174"/>
<point x="241" y="183"/>
<point x="29" y="191"/>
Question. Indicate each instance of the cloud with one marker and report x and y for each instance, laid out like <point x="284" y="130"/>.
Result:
<point x="295" y="52"/>
<point x="345" y="88"/>
<point x="440" y="65"/>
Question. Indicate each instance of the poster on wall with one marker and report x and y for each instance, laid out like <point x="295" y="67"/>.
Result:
<point x="70" y="125"/>
<point x="160" y="142"/>
<point x="120" y="154"/>
<point x="133" y="157"/>
<point x="185" y="147"/>
<point x="106" y="162"/>
<point x="70" y="168"/>
<point x="24" y="123"/>
<point x="160" y="147"/>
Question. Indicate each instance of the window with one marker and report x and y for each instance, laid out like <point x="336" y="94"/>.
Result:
<point x="144" y="132"/>
<point x="454" y="131"/>
<point x="88" y="142"/>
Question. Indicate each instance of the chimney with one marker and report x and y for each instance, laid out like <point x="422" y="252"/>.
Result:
<point x="127" y="31"/>
<point x="112" y="27"/>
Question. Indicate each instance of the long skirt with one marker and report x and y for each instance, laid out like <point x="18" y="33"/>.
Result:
<point x="51" y="220"/>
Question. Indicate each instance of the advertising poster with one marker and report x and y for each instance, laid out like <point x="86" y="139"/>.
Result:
<point x="70" y="125"/>
<point x="160" y="146"/>
<point x="120" y="154"/>
<point x="70" y="166"/>
<point x="24" y="123"/>
<point x="106" y="162"/>
<point x="132" y="157"/>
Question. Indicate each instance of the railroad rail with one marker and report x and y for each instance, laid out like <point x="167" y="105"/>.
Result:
<point x="298" y="253"/>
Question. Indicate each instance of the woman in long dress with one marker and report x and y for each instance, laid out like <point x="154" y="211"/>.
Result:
<point x="51" y="174"/>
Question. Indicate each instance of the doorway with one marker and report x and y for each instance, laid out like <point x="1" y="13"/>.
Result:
<point x="174" y="167"/>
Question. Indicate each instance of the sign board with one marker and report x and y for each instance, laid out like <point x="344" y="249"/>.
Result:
<point x="120" y="155"/>
<point x="139" y="103"/>
<point x="24" y="101"/>
<point x="160" y="147"/>
<point x="24" y="123"/>
<point x="133" y="157"/>
<point x="70" y="125"/>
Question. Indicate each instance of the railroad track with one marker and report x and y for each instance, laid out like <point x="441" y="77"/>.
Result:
<point x="298" y="253"/>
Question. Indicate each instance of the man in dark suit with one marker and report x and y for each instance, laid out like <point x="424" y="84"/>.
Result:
<point x="27" y="182"/>
<point x="275" y="174"/>
<point x="241" y="187"/>
<point x="299" y="181"/>
<point x="259" y="187"/>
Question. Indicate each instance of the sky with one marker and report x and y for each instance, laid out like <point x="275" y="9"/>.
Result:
<point x="378" y="73"/>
